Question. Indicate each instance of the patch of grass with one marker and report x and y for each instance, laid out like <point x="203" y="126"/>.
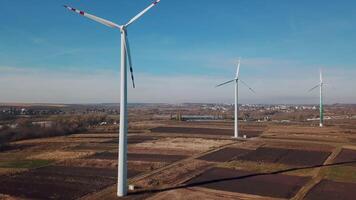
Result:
<point x="254" y="166"/>
<point x="301" y="172"/>
<point x="27" y="164"/>
<point x="341" y="173"/>
<point x="262" y="167"/>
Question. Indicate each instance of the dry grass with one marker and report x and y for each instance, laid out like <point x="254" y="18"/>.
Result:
<point x="145" y="166"/>
<point x="341" y="173"/>
<point x="7" y="197"/>
<point x="173" y="175"/>
<point x="184" y="144"/>
<point x="9" y="171"/>
<point x="62" y="139"/>
<point x="61" y="155"/>
<point x="96" y="163"/>
<point x="187" y="195"/>
<point x="260" y="167"/>
<point x="95" y="135"/>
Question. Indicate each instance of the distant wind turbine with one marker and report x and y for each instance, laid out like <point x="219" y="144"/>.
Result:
<point x="125" y="55"/>
<point x="321" y="107"/>
<point x="236" y="80"/>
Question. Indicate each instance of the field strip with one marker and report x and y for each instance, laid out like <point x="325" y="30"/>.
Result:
<point x="317" y="177"/>
<point x="335" y="144"/>
<point x="180" y="161"/>
<point x="233" y="195"/>
<point x="107" y="191"/>
<point x="184" y="135"/>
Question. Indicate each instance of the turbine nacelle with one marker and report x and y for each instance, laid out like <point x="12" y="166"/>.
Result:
<point x="122" y="28"/>
<point x="237" y="78"/>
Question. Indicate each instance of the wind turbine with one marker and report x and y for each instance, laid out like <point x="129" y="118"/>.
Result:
<point x="321" y="107"/>
<point x="125" y="54"/>
<point x="236" y="80"/>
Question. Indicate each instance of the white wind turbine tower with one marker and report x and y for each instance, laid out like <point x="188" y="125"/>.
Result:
<point x="321" y="107"/>
<point x="236" y="80"/>
<point x="125" y="56"/>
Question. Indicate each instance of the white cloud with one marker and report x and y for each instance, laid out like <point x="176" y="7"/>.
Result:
<point x="22" y="85"/>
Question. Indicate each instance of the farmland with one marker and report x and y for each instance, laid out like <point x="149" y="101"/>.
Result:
<point x="169" y="159"/>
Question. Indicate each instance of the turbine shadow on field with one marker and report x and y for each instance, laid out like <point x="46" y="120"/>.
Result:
<point x="238" y="177"/>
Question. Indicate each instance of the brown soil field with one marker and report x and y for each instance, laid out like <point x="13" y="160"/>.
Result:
<point x="92" y="163"/>
<point x="224" y="155"/>
<point x="276" y="185"/>
<point x="330" y="190"/>
<point x="139" y="157"/>
<point x="346" y="156"/>
<point x="179" y="144"/>
<point x="17" y="147"/>
<point x="286" y="156"/>
<point x="174" y="175"/>
<point x="104" y="156"/>
<point x="63" y="139"/>
<point x="348" y="126"/>
<point x="299" y="145"/>
<point x="95" y="135"/>
<point x="58" y="182"/>
<point x="155" y="157"/>
<point x="145" y="166"/>
<point x="185" y="160"/>
<point x="303" y="130"/>
<point x="9" y="171"/>
<point x="204" y="131"/>
<point x="133" y="139"/>
<point x="189" y="194"/>
<point x="94" y="147"/>
<point x="59" y="155"/>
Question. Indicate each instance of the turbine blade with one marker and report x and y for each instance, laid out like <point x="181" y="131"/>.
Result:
<point x="95" y="18"/>
<point x="321" y="76"/>
<point x="225" y="83"/>
<point x="252" y="90"/>
<point x="142" y="13"/>
<point x="313" y="88"/>
<point x="238" y="69"/>
<point x="128" y="53"/>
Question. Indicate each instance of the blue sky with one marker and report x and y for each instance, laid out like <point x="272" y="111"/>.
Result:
<point x="180" y="50"/>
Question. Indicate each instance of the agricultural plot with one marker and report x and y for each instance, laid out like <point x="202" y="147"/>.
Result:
<point x="271" y="185"/>
<point x="24" y="164"/>
<point x="204" y="131"/>
<point x="17" y="147"/>
<point x="134" y="139"/>
<point x="264" y="167"/>
<point x="286" y="156"/>
<point x="331" y="190"/>
<point x="58" y="182"/>
<point x="224" y="155"/>
<point x="341" y="173"/>
<point x="94" y="147"/>
<point x="347" y="157"/>
<point x="139" y="157"/>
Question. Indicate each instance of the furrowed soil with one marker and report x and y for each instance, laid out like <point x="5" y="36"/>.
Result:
<point x="204" y="131"/>
<point x="331" y="190"/>
<point x="272" y="185"/>
<point x="224" y="155"/>
<point x="346" y="156"/>
<point x="286" y="156"/>
<point x="187" y="160"/>
<point x="139" y="157"/>
<point x="58" y="182"/>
